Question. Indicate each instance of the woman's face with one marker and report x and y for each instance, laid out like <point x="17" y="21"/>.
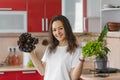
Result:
<point x="58" y="31"/>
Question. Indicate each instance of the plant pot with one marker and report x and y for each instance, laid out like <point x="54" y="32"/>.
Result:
<point x="102" y="63"/>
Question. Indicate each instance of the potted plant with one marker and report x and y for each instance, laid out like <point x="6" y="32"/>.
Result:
<point x="98" y="49"/>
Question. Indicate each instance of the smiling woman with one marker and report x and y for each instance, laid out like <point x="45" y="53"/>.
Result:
<point x="62" y="59"/>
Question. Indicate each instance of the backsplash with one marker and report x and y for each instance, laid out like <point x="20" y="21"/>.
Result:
<point x="10" y="40"/>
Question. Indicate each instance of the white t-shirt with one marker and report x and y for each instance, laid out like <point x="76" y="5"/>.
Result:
<point x="59" y="64"/>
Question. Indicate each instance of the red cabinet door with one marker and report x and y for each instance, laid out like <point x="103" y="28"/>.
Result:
<point x="53" y="7"/>
<point x="40" y="13"/>
<point x="29" y="75"/>
<point x="8" y="75"/>
<point x="13" y="4"/>
<point x="35" y="15"/>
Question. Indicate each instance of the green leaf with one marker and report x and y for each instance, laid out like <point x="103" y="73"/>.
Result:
<point x="96" y="47"/>
<point x="30" y="64"/>
<point x="103" y="33"/>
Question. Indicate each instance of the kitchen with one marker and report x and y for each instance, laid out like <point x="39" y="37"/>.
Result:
<point x="35" y="20"/>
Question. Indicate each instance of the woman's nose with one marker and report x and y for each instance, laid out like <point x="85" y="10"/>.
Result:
<point x="58" y="31"/>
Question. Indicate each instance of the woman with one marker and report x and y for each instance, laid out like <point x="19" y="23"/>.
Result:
<point x="62" y="59"/>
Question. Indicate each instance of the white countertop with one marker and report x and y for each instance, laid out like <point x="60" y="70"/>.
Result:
<point x="16" y="68"/>
<point x="112" y="76"/>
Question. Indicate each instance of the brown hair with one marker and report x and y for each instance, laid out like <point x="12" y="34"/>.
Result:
<point x="72" y="45"/>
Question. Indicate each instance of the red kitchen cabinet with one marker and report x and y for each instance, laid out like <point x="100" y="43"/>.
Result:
<point x="13" y="4"/>
<point x="40" y="13"/>
<point x="21" y="75"/>
<point x="8" y="75"/>
<point x="29" y="75"/>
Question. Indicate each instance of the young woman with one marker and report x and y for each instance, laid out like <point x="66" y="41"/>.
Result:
<point x="62" y="59"/>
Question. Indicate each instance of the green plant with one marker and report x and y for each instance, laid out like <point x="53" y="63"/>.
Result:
<point x="30" y="64"/>
<point x="96" y="47"/>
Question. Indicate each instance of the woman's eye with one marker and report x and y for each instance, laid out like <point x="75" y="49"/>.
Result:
<point x="61" y="28"/>
<point x="54" y="30"/>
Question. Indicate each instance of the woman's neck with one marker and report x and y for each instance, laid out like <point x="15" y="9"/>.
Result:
<point x="63" y="43"/>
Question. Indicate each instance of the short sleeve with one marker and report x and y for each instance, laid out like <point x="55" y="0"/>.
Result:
<point x="75" y="57"/>
<point x="44" y="58"/>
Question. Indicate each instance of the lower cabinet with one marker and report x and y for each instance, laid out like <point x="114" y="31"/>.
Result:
<point x="113" y="42"/>
<point x="29" y="75"/>
<point x="20" y="75"/>
<point x="8" y="75"/>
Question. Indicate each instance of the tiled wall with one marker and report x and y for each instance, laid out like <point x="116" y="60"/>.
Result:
<point x="10" y="40"/>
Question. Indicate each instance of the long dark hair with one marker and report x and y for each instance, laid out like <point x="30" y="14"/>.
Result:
<point x="72" y="45"/>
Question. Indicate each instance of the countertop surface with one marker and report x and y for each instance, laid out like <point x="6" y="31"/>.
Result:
<point x="16" y="68"/>
<point x="111" y="76"/>
<point x="91" y="75"/>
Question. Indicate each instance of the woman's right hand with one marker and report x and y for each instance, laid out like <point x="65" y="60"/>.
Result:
<point x="32" y="52"/>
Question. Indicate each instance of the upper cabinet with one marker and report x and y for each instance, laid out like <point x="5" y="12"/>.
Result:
<point x="93" y="15"/>
<point x="13" y="16"/>
<point x="40" y="13"/>
<point x="73" y="10"/>
<point x="93" y="8"/>
<point x="13" y="21"/>
<point x="84" y="15"/>
<point x="13" y="4"/>
<point x="110" y="11"/>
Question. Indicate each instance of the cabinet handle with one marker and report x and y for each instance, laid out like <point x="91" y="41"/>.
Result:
<point x="84" y="24"/>
<point x="2" y="73"/>
<point x="6" y="9"/>
<point x="46" y="24"/>
<point x="43" y="24"/>
<point x="28" y="72"/>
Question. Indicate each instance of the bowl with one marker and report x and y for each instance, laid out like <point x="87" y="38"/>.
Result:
<point x="113" y="26"/>
<point x="107" y="6"/>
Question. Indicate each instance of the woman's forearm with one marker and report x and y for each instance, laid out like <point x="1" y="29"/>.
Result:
<point x="77" y="71"/>
<point x="37" y="63"/>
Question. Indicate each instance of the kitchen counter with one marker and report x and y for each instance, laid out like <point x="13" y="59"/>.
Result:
<point x="90" y="75"/>
<point x="112" y="76"/>
<point x="16" y="68"/>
